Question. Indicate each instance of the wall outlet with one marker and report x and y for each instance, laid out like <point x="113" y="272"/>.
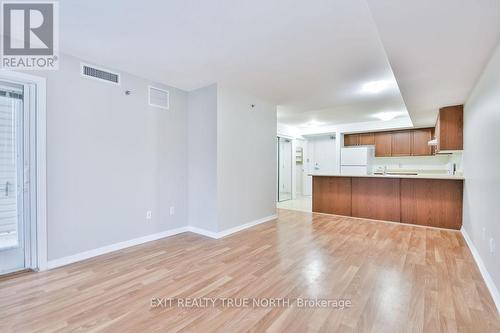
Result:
<point x="484" y="233"/>
<point x="148" y="215"/>
<point x="172" y="210"/>
<point x="492" y="245"/>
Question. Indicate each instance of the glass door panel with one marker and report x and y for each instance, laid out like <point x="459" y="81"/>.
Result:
<point x="12" y="228"/>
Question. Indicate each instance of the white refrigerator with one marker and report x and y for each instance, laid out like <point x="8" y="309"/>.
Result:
<point x="356" y="161"/>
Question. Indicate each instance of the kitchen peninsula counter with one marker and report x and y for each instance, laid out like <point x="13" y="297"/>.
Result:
<point x="401" y="175"/>
<point x="431" y="200"/>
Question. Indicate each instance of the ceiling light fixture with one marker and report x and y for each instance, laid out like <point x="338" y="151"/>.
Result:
<point x="386" y="116"/>
<point x="312" y="124"/>
<point x="375" y="87"/>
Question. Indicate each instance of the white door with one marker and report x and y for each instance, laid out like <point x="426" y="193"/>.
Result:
<point x="14" y="232"/>
<point x="322" y="155"/>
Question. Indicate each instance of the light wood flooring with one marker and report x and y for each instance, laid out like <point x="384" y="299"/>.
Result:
<point x="399" y="278"/>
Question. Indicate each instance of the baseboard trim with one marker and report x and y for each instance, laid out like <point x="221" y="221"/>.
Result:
<point x="227" y="232"/>
<point x="482" y="269"/>
<point x="113" y="247"/>
<point x="141" y="240"/>
<point x="230" y="231"/>
<point x="203" y="232"/>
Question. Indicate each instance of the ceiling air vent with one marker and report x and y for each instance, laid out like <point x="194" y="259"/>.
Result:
<point x="100" y="74"/>
<point x="158" y="98"/>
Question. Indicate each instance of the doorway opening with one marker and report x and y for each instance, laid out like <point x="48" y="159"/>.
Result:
<point x="285" y="159"/>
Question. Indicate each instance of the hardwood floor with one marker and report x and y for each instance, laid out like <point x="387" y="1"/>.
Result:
<point x="399" y="278"/>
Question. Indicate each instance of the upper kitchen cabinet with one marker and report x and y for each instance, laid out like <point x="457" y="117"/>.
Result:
<point x="383" y="144"/>
<point x="449" y="129"/>
<point x="366" y="139"/>
<point x="351" y="140"/>
<point x="420" y="139"/>
<point x="412" y="142"/>
<point x="401" y="143"/>
<point x="362" y="139"/>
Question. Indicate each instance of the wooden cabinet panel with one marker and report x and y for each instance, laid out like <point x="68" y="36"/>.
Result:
<point x="436" y="134"/>
<point x="420" y="139"/>
<point x="429" y="202"/>
<point x="432" y="202"/>
<point x="367" y="139"/>
<point x="401" y="143"/>
<point x="351" y="140"/>
<point x="376" y="198"/>
<point x="383" y="144"/>
<point x="450" y="127"/>
<point x="332" y="195"/>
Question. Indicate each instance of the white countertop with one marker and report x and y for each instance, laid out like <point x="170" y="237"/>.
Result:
<point x="419" y="176"/>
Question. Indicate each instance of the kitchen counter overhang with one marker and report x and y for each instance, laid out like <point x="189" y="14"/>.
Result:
<point x="429" y="200"/>
<point x="410" y="176"/>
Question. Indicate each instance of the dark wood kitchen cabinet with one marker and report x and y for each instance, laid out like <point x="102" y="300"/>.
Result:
<point x="376" y="198"/>
<point x="450" y="128"/>
<point x="421" y="201"/>
<point x="366" y="139"/>
<point x="419" y="144"/>
<point x="383" y="144"/>
<point x="432" y="202"/>
<point x="351" y="140"/>
<point x="332" y="195"/>
<point x="401" y="143"/>
<point x="395" y="143"/>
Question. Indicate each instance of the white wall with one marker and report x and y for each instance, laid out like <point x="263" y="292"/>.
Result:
<point x="202" y="158"/>
<point x="430" y="164"/>
<point x="481" y="166"/>
<point x="246" y="158"/>
<point x="110" y="158"/>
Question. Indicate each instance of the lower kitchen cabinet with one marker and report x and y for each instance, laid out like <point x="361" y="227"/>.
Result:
<point x="333" y="195"/>
<point x="376" y="198"/>
<point x="428" y="202"/>
<point x="432" y="202"/>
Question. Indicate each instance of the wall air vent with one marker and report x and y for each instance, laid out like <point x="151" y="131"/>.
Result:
<point x="158" y="98"/>
<point x="100" y="74"/>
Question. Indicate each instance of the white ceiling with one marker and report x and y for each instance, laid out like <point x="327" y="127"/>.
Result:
<point x="436" y="48"/>
<point x="311" y="57"/>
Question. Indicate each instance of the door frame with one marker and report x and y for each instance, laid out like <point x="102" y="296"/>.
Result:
<point x="292" y="166"/>
<point x="38" y="221"/>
